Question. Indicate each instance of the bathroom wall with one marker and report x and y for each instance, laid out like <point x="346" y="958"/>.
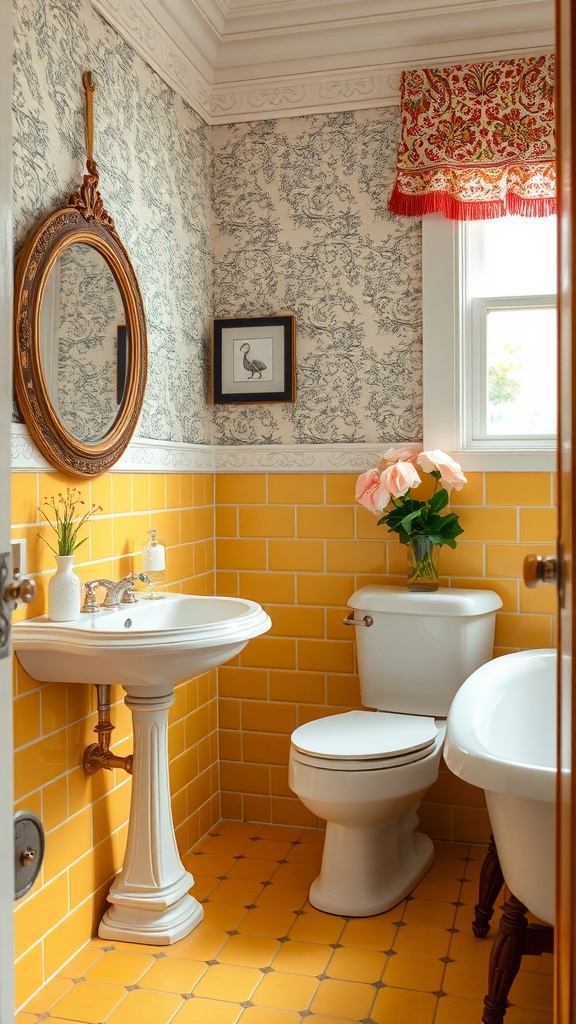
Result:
<point x="153" y="155"/>
<point x="300" y="545"/>
<point x="86" y="817"/>
<point x="300" y="224"/>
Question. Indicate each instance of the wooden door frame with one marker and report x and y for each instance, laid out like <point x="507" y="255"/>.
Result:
<point x="565" y="978"/>
<point x="6" y="287"/>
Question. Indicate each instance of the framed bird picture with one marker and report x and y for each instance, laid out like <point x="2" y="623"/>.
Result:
<point x="253" y="359"/>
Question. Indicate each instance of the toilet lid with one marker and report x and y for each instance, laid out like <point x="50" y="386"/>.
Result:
<point x="366" y="736"/>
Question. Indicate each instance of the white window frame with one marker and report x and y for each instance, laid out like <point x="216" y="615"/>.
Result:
<point x="448" y="375"/>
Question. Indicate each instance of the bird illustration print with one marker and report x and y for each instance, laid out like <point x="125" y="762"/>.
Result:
<point x="254" y="366"/>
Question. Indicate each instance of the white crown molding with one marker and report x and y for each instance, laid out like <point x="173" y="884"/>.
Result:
<point x="147" y="456"/>
<point x="312" y="94"/>
<point x="252" y="59"/>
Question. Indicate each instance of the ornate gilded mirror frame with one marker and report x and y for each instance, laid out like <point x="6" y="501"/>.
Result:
<point x="83" y="220"/>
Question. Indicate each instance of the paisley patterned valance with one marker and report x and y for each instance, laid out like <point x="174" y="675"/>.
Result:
<point x="478" y="140"/>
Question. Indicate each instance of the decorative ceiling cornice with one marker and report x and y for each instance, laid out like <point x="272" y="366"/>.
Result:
<point x="241" y="60"/>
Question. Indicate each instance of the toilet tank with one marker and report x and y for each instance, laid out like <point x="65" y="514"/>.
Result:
<point x="420" y="647"/>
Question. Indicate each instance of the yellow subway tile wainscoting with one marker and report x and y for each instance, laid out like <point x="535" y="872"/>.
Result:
<point x="85" y="817"/>
<point x="306" y="664"/>
<point x="298" y="544"/>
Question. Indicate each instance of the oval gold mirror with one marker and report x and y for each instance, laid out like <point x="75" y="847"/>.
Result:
<point x="80" y="332"/>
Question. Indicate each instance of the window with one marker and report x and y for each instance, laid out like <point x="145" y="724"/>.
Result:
<point x="489" y="295"/>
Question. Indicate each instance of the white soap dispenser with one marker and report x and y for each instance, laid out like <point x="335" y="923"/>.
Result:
<point x="154" y="563"/>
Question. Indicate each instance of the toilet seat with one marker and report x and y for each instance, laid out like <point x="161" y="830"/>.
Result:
<point x="364" y="740"/>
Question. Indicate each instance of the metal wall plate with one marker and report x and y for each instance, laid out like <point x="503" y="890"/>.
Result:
<point x="28" y="851"/>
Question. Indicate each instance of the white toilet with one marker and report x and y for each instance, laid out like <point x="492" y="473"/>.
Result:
<point x="366" y="772"/>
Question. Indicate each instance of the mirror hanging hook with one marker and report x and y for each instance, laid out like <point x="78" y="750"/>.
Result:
<point x="89" y="87"/>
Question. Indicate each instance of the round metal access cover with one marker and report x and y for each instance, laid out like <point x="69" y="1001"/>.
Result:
<point x="28" y="851"/>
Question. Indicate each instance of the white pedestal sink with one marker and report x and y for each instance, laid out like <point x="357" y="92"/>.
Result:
<point x="147" y="647"/>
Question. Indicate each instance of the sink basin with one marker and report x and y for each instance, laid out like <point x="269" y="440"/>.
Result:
<point x="150" y="644"/>
<point x="501" y="737"/>
<point x="147" y="647"/>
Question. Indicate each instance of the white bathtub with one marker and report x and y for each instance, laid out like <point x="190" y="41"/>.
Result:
<point x="501" y="736"/>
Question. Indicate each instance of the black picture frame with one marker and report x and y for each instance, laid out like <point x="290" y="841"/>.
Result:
<point x="254" y="359"/>
<point x="121" y="361"/>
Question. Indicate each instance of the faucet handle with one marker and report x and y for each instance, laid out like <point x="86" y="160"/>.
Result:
<point x="129" y="594"/>
<point x="90" y="602"/>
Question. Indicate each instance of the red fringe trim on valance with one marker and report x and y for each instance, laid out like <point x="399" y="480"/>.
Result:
<point x="454" y="209"/>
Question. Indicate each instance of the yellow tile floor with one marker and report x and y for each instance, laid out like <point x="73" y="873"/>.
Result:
<point x="264" y="955"/>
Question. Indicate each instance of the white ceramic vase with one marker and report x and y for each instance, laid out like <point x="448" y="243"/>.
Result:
<point x="64" y="591"/>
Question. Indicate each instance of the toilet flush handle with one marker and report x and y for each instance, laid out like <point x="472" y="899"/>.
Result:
<point x="349" y="620"/>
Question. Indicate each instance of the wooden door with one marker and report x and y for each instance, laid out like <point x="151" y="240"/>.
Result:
<point x="565" y="976"/>
<point x="6" y="277"/>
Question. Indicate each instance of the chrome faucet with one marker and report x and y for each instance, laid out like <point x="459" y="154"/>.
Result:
<point x="122" y="592"/>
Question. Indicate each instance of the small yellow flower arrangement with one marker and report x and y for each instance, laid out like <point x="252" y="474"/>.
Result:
<point x="69" y="517"/>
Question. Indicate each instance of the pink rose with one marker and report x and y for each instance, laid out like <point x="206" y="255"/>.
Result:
<point x="393" y="455"/>
<point x="370" y="492"/>
<point x="451" y="474"/>
<point x="400" y="477"/>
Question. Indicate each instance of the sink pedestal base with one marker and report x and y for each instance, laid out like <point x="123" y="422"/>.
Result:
<point x="149" y="897"/>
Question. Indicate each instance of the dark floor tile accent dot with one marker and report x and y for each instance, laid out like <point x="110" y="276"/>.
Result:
<point x="131" y="988"/>
<point x="299" y="913"/>
<point x="282" y="861"/>
<point x="335" y="945"/>
<point x="76" y="981"/>
<point x="108" y="949"/>
<point x="251" y="906"/>
<point x="246" y="1005"/>
<point x="440" y="994"/>
<point x="399" y="924"/>
<point x="159" y="956"/>
<point x="453" y="931"/>
<point x="389" y="952"/>
<point x="446" y="960"/>
<point x="409" y="897"/>
<point x="221" y="878"/>
<point x="233" y="931"/>
<point x="266" y="970"/>
<point x="457" y="903"/>
<point x="463" y="879"/>
<point x="212" y="963"/>
<point x="379" y="984"/>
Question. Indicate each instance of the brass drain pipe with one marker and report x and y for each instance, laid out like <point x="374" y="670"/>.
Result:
<point x="98" y="755"/>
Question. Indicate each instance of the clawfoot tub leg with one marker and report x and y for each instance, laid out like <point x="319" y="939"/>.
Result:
<point x="515" y="938"/>
<point x="491" y="882"/>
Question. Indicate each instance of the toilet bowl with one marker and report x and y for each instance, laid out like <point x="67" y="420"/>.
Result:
<point x="365" y="772"/>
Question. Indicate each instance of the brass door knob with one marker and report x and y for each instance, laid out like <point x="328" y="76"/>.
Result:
<point x="23" y="591"/>
<point x="537" y="569"/>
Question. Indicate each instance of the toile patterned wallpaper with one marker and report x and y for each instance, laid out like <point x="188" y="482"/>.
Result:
<point x="290" y="216"/>
<point x="301" y="225"/>
<point x="153" y="156"/>
<point x="87" y="312"/>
